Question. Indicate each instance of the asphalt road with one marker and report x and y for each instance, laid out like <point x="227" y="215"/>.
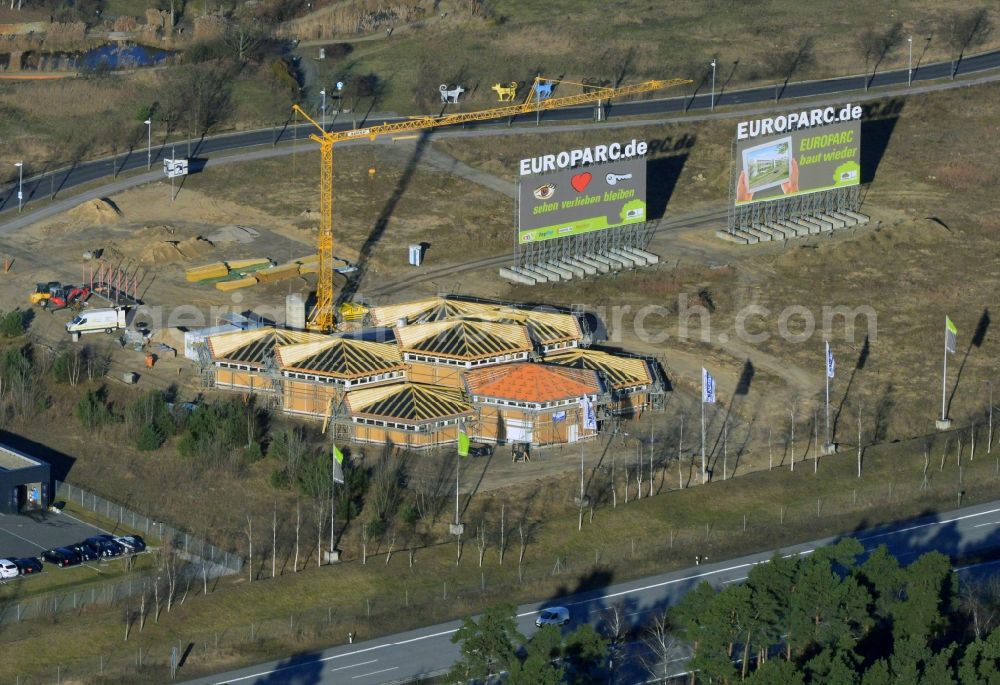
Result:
<point x="410" y="655"/>
<point x="45" y="183"/>
<point x="30" y="535"/>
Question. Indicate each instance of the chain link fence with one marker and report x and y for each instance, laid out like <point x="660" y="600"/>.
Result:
<point x="193" y="548"/>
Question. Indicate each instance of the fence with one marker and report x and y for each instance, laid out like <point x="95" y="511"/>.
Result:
<point x="945" y="478"/>
<point x="194" y="548"/>
<point x="201" y="560"/>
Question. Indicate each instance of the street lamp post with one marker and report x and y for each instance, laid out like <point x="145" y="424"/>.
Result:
<point x="713" y="85"/>
<point x="322" y="108"/>
<point x="20" y="184"/>
<point x="909" y="68"/>
<point x="149" y="143"/>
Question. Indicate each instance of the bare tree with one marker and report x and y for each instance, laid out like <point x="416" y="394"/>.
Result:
<point x="320" y="523"/>
<point x="616" y="629"/>
<point x="783" y="64"/>
<point x="502" y="547"/>
<point x="860" y="447"/>
<point x="661" y="644"/>
<point x="274" y="539"/>
<point x="249" y="533"/>
<point x="392" y="544"/>
<point x="964" y="29"/>
<point x="481" y="541"/>
<point x="243" y="38"/>
<point x="791" y="434"/>
<point x="876" y="46"/>
<point x="364" y="542"/>
<point x="298" y="526"/>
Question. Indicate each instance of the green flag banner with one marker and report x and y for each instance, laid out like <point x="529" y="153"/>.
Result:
<point x="338" y="465"/>
<point x="950" y="335"/>
<point x="463" y="443"/>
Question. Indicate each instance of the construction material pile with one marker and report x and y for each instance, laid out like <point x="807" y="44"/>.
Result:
<point x="242" y="273"/>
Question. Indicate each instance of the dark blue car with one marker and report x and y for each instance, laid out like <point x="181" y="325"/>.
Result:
<point x="28" y="565"/>
<point x="61" y="556"/>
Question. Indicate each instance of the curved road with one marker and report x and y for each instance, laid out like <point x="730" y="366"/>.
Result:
<point x="427" y="651"/>
<point x="52" y="183"/>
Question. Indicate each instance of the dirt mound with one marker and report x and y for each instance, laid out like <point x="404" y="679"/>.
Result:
<point x="172" y="250"/>
<point x="194" y="247"/>
<point x="100" y="211"/>
<point x="161" y="253"/>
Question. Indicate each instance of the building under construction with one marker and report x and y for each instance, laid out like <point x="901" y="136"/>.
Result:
<point x="420" y="369"/>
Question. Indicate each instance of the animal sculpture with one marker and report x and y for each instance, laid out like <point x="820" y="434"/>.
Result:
<point x="450" y="96"/>
<point x="506" y="93"/>
<point x="543" y="90"/>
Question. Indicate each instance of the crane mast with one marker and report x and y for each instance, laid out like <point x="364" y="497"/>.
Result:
<point x="321" y="318"/>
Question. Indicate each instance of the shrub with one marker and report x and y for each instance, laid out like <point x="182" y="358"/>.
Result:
<point x="67" y="366"/>
<point x="338" y="50"/>
<point x="150" y="439"/>
<point x="92" y="412"/>
<point x="252" y="453"/>
<point x="219" y="432"/>
<point x="283" y="76"/>
<point x="206" y="51"/>
<point x="410" y="514"/>
<point x="279" y="479"/>
<point x="149" y="412"/>
<point x="12" y="324"/>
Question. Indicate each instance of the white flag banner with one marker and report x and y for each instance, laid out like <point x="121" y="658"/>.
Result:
<point x="707" y="387"/>
<point x="831" y="365"/>
<point x="589" y="416"/>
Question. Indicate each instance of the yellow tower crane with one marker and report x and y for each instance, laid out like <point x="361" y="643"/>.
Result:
<point x="321" y="318"/>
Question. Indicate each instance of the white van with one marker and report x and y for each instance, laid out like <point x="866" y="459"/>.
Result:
<point x="108" y="319"/>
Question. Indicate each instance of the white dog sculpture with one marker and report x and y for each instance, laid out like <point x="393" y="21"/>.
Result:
<point x="450" y="96"/>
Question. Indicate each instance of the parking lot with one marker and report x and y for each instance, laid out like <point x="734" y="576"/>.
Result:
<point x="28" y="536"/>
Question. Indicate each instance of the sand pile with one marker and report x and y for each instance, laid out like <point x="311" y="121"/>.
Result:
<point x="194" y="247"/>
<point x="172" y="250"/>
<point x="234" y="234"/>
<point x="101" y="211"/>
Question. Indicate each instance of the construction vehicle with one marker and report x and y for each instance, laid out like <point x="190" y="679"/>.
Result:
<point x="43" y="291"/>
<point x="321" y="318"/>
<point x="66" y="297"/>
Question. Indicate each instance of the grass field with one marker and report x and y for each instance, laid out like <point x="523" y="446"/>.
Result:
<point x="912" y="269"/>
<point x="653" y="534"/>
<point x="625" y="41"/>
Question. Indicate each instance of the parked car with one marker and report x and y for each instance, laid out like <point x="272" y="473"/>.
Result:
<point x="8" y="569"/>
<point x="84" y="551"/>
<point x="553" y="616"/>
<point x="61" y="556"/>
<point x="105" y="546"/>
<point x="28" y="565"/>
<point x="132" y="543"/>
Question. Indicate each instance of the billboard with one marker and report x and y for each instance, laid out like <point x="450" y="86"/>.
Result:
<point x="581" y="191"/>
<point x="798" y="153"/>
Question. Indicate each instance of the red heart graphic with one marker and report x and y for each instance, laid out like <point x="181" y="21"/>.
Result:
<point x="581" y="181"/>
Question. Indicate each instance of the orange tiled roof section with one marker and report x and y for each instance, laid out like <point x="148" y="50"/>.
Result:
<point x="531" y="382"/>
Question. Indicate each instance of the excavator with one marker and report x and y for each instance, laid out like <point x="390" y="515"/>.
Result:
<point x="55" y="296"/>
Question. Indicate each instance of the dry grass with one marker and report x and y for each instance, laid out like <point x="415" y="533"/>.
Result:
<point x="647" y="536"/>
<point x="575" y="41"/>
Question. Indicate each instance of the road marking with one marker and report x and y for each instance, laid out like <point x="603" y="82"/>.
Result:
<point x="363" y="663"/>
<point x="365" y="675"/>
<point x="443" y="632"/>
<point x="30" y="542"/>
<point x="932" y="523"/>
<point x="991" y="523"/>
<point x="614" y="594"/>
